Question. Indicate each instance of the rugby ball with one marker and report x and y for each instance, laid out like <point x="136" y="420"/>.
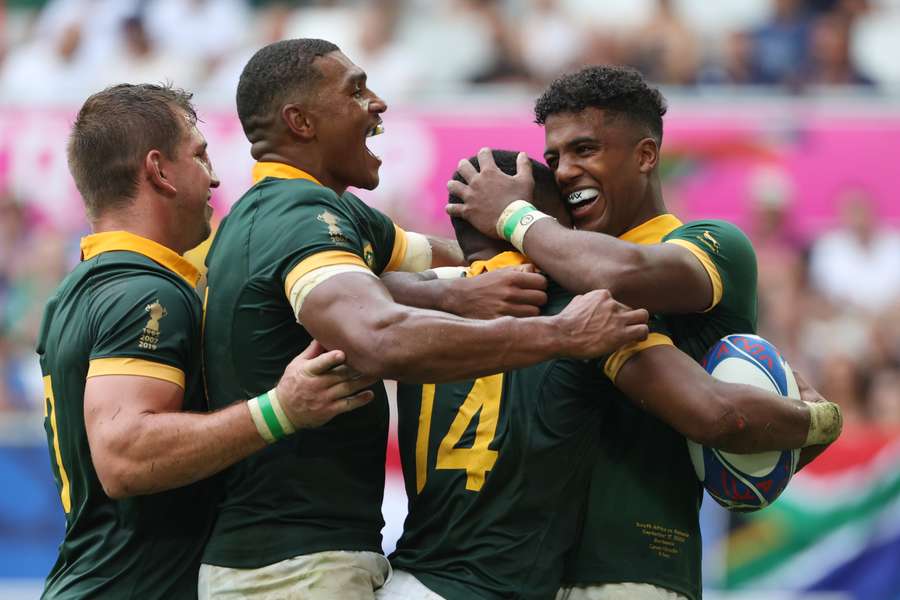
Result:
<point x="746" y="482"/>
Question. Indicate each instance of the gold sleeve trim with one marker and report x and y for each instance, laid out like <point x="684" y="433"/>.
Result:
<point x="135" y="366"/>
<point x="710" y="267"/>
<point x="398" y="253"/>
<point x="327" y="258"/>
<point x="615" y="362"/>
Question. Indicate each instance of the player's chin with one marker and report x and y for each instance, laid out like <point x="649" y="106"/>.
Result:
<point x="369" y="180"/>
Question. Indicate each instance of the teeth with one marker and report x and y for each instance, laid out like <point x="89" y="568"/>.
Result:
<point x="377" y="130"/>
<point x="583" y="195"/>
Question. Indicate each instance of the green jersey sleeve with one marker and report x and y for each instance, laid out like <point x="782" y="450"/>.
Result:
<point x="659" y="334"/>
<point x="313" y="227"/>
<point x="728" y="257"/>
<point x="142" y="325"/>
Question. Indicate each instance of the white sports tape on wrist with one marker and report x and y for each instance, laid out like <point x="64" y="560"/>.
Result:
<point x="269" y="417"/>
<point x="515" y="221"/>
<point x="449" y="272"/>
<point x="825" y="423"/>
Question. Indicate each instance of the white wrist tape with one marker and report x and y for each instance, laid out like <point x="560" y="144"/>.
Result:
<point x="515" y="221"/>
<point x="418" y="253"/>
<point x="449" y="272"/>
<point x="270" y="419"/>
<point x="825" y="423"/>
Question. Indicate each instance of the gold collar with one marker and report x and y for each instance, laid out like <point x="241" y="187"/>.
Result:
<point x="502" y="260"/>
<point x="261" y="170"/>
<point x="652" y="231"/>
<point x="111" y="241"/>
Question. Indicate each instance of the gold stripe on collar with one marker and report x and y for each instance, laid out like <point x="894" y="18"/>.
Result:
<point x="500" y="261"/>
<point x="652" y="231"/>
<point x="261" y="170"/>
<point x="111" y="241"/>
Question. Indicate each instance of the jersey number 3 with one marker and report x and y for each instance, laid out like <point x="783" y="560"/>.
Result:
<point x="484" y="401"/>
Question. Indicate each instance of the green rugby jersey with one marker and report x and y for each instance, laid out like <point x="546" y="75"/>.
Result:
<point x="496" y="472"/>
<point x="319" y="489"/>
<point x="129" y="308"/>
<point x="642" y="521"/>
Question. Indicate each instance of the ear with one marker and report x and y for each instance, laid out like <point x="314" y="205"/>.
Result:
<point x="298" y="121"/>
<point x="647" y="152"/>
<point x="155" y="170"/>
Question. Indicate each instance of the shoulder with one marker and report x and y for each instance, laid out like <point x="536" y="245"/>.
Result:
<point x="713" y="237"/>
<point x="138" y="285"/>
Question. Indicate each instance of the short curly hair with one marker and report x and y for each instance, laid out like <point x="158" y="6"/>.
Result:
<point x="274" y="72"/>
<point x="621" y="90"/>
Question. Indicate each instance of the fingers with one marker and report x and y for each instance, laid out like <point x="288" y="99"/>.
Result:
<point x="313" y="350"/>
<point x="348" y="387"/>
<point x="636" y="317"/>
<point x="531" y="281"/>
<point x="529" y="297"/>
<point x="323" y="363"/>
<point x="523" y="166"/>
<point x="486" y="159"/>
<point x="349" y="403"/>
<point x="636" y="333"/>
<point x="466" y="170"/>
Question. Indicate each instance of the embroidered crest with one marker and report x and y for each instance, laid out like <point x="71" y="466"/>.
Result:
<point x="710" y="241"/>
<point x="334" y="230"/>
<point x="369" y="255"/>
<point x="149" y="339"/>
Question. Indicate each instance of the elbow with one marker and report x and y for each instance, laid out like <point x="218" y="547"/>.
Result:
<point x="721" y="425"/>
<point x="379" y="349"/>
<point x="116" y="480"/>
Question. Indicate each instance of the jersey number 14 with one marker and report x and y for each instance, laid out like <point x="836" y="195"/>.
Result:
<point x="483" y="400"/>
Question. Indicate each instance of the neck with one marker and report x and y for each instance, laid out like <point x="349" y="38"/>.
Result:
<point x="652" y="204"/>
<point x="303" y="157"/>
<point x="139" y="219"/>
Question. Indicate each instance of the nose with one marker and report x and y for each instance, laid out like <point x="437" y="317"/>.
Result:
<point x="213" y="179"/>
<point x="567" y="171"/>
<point x="377" y="105"/>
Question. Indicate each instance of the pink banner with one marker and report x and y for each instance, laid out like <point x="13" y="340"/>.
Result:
<point x="717" y="160"/>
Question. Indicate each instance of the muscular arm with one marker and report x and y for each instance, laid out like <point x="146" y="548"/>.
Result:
<point x="141" y="443"/>
<point x="663" y="278"/>
<point x="736" y="418"/>
<point x="355" y="312"/>
<point x="505" y="292"/>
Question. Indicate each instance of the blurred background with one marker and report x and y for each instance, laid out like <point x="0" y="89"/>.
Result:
<point x="784" y="117"/>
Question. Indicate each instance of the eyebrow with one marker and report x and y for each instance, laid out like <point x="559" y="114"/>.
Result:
<point x="356" y="76"/>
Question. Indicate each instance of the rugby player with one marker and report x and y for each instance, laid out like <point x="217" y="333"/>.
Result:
<point x="603" y="128"/>
<point x="120" y="350"/>
<point x="297" y="258"/>
<point x="494" y="507"/>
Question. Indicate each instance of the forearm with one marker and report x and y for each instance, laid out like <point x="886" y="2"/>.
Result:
<point x="418" y="345"/>
<point x="420" y="290"/>
<point x="580" y="261"/>
<point x="171" y="449"/>
<point x="752" y="420"/>
<point x="445" y="252"/>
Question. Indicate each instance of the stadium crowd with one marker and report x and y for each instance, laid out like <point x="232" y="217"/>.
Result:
<point x="60" y="50"/>
<point x="842" y="285"/>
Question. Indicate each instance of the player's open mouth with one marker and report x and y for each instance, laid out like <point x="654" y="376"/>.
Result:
<point x="580" y="202"/>
<point x="376" y="129"/>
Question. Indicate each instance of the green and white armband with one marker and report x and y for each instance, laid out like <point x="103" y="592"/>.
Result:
<point x="269" y="418"/>
<point x="825" y="423"/>
<point x="515" y="220"/>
